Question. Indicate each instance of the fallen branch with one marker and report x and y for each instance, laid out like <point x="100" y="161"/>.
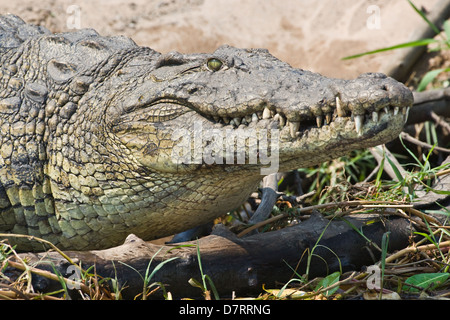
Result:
<point x="252" y="261"/>
<point x="429" y="104"/>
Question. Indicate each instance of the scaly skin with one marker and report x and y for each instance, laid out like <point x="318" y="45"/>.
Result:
<point x="87" y="129"/>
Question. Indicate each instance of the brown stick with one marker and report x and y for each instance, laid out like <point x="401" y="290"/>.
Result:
<point x="407" y="137"/>
<point x="426" y="247"/>
<point x="440" y="121"/>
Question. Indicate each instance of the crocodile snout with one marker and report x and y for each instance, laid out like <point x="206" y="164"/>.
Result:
<point x="363" y="99"/>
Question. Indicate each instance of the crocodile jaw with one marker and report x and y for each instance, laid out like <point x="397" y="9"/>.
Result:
<point x="339" y="138"/>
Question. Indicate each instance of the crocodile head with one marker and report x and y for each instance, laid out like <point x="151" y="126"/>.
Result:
<point x="154" y="104"/>
<point x="202" y="103"/>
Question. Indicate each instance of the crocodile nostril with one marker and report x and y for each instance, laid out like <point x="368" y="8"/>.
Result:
<point x="192" y="90"/>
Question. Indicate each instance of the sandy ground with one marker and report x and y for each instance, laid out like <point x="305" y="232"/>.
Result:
<point x="313" y="35"/>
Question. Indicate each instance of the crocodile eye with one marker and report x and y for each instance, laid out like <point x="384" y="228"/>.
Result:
<point x="214" y="64"/>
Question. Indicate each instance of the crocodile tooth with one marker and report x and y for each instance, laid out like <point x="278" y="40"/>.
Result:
<point x="259" y="114"/>
<point x="319" y="120"/>
<point x="237" y="121"/>
<point x="276" y="117"/>
<point x="375" y="116"/>
<point x="248" y="118"/>
<point x="359" y="123"/>
<point x="266" y="113"/>
<point x="233" y="123"/>
<point x="386" y="109"/>
<point x="226" y="120"/>
<point x="282" y="121"/>
<point x="294" y="126"/>
<point x="328" y="117"/>
<point x="396" y="109"/>
<point x="405" y="110"/>
<point x="216" y="118"/>
<point x="254" y="117"/>
<point x="244" y="121"/>
<point x="339" y="108"/>
<point x="405" y="113"/>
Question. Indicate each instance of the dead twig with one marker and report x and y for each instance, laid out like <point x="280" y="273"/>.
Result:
<point x="100" y="293"/>
<point x="414" y="249"/>
<point x="422" y="215"/>
<point x="31" y="238"/>
<point x="440" y="121"/>
<point x="49" y="275"/>
<point x="11" y="292"/>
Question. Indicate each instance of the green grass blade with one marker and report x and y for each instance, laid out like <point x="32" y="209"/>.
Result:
<point x="428" y="237"/>
<point x="195" y="283"/>
<point x="384" y="249"/>
<point x="380" y="173"/>
<point x="337" y="257"/>
<point x="200" y="265"/>
<point x="213" y="287"/>
<point x="146" y="278"/>
<point x="205" y="276"/>
<point x="299" y="276"/>
<point x="420" y="12"/>
<point x="411" y="153"/>
<point x="61" y="280"/>
<point x="159" y="266"/>
<point x="395" y="169"/>
<point x="279" y="294"/>
<point x="430" y="76"/>
<point x="417" y="43"/>
<point x="447" y="29"/>
<point x="427" y="78"/>
<point x="308" y="263"/>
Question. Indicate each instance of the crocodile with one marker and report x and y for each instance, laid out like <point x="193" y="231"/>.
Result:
<point x="89" y="125"/>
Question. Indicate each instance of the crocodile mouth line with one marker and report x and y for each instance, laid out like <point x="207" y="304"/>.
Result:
<point x="297" y="128"/>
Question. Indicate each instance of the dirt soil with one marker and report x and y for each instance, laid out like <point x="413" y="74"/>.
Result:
<point x="313" y="35"/>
